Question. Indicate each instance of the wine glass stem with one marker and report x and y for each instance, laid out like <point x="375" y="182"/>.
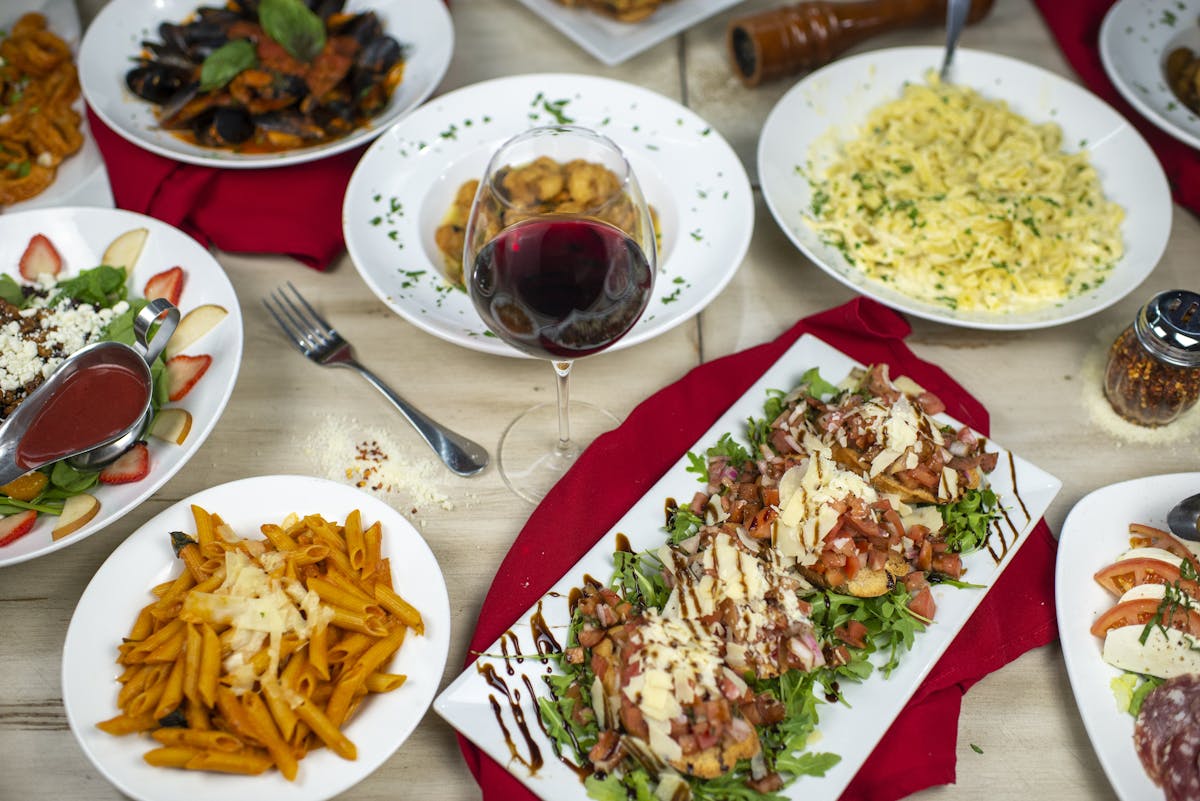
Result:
<point x="563" y="371"/>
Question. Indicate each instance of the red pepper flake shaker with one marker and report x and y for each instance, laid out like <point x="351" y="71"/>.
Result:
<point x="1153" y="370"/>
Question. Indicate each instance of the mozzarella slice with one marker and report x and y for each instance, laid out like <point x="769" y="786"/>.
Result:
<point x="1151" y="553"/>
<point x="1165" y="653"/>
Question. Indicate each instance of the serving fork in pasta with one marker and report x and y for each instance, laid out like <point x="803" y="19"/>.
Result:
<point x="260" y="650"/>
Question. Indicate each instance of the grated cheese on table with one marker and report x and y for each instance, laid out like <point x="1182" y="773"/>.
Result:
<point x="1102" y="414"/>
<point x="370" y="458"/>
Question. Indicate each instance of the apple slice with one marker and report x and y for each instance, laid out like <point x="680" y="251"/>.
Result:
<point x="172" y="425"/>
<point x="195" y="324"/>
<point x="125" y="249"/>
<point x="77" y="512"/>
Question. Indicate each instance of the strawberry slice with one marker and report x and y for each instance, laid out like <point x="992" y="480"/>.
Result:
<point x="168" y="284"/>
<point x="40" y="257"/>
<point x="133" y="465"/>
<point x="183" y="372"/>
<point x="13" y="527"/>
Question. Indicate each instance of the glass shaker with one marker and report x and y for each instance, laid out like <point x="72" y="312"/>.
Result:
<point x="1153" y="370"/>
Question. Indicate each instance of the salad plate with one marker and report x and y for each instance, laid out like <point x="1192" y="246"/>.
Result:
<point x="1135" y="39"/>
<point x="422" y="27"/>
<point x="849" y="730"/>
<point x="121" y="587"/>
<point x="406" y="183"/>
<point x="81" y="236"/>
<point x="1094" y="534"/>
<point x="802" y="133"/>
<point x="82" y="179"/>
<point x="613" y="42"/>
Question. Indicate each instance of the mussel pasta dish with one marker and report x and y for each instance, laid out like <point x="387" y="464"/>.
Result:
<point x="268" y="75"/>
<point x="954" y="199"/>
<point x="38" y="126"/>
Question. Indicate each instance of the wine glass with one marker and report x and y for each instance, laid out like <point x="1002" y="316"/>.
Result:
<point x="559" y="261"/>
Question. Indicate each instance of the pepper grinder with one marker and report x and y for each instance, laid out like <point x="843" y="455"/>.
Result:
<point x="1153" y="370"/>
<point x="807" y="35"/>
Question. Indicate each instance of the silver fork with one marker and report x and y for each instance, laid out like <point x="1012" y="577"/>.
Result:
<point x="319" y="342"/>
<point x="956" y="20"/>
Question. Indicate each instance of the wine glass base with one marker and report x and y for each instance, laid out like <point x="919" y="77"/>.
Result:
<point x="529" y="458"/>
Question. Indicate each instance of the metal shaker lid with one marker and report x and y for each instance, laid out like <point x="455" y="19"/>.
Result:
<point x="1169" y="327"/>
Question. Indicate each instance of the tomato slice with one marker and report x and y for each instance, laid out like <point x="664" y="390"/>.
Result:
<point x="1143" y="536"/>
<point x="1141" y="611"/>
<point x="1120" y="576"/>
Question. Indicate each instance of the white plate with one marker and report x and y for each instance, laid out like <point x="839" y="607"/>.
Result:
<point x="81" y="180"/>
<point x="1095" y="533"/>
<point x="116" y="34"/>
<point x="827" y="106"/>
<point x="849" y="731"/>
<point x="120" y="588"/>
<point x="406" y="182"/>
<point x="81" y="235"/>
<point x="611" y="41"/>
<point x="1135" y="39"/>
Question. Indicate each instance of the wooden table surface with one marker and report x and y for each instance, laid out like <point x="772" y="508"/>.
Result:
<point x="1023" y="717"/>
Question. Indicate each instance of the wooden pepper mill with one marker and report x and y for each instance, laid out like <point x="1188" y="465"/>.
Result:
<point x="807" y="35"/>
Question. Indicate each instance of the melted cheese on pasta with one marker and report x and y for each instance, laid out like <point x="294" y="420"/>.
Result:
<point x="952" y="198"/>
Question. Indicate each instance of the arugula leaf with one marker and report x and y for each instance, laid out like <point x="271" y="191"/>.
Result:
<point x="10" y="291"/>
<point x="968" y="520"/>
<point x="294" y="26"/>
<point x="727" y="446"/>
<point x="682" y="523"/>
<point x="891" y="627"/>
<point x="699" y="465"/>
<point x="807" y="764"/>
<point x="638" y="578"/>
<point x="816" y="386"/>
<point x="100" y="286"/>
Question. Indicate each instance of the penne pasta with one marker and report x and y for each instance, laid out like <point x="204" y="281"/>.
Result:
<point x="260" y="650"/>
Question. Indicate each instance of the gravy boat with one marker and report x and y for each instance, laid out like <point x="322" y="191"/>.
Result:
<point x="93" y="406"/>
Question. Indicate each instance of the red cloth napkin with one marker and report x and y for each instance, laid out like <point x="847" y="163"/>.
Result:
<point x="294" y="210"/>
<point x="621" y="466"/>
<point x="1076" y="26"/>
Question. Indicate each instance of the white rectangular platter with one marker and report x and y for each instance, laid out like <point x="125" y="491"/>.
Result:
<point x="852" y="731"/>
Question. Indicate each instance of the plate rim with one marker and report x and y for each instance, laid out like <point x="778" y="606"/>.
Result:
<point x="1074" y="637"/>
<point x="211" y="157"/>
<point x="199" y="433"/>
<point x="875" y="289"/>
<point x="142" y="539"/>
<point x="447" y="702"/>
<point x="355" y="189"/>
<point x="1107" y="37"/>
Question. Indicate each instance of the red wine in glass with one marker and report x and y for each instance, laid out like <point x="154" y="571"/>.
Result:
<point x="561" y="288"/>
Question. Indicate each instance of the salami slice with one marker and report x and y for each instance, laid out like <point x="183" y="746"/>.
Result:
<point x="1181" y="774"/>
<point x="1167" y="712"/>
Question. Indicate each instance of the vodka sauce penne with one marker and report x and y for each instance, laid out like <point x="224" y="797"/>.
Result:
<point x="261" y="650"/>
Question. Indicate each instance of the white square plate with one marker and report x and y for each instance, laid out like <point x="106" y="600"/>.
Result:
<point x="850" y="731"/>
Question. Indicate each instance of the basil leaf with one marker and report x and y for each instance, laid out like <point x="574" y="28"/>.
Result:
<point x="10" y="291"/>
<point x="224" y="64"/>
<point x="294" y="26"/>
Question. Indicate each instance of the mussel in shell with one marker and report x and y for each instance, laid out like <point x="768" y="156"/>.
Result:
<point x="223" y="126"/>
<point x="156" y="82"/>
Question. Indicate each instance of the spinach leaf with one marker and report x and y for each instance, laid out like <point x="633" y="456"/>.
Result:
<point x="70" y="480"/>
<point x="293" y="25"/>
<point x="10" y="291"/>
<point x="224" y="64"/>
<point x="100" y="286"/>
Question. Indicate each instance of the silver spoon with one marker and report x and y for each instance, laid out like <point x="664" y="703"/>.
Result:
<point x="90" y="455"/>
<point x="956" y="20"/>
<point x="1184" y="519"/>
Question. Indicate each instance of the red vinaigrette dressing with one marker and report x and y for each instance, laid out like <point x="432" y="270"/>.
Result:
<point x="92" y="406"/>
